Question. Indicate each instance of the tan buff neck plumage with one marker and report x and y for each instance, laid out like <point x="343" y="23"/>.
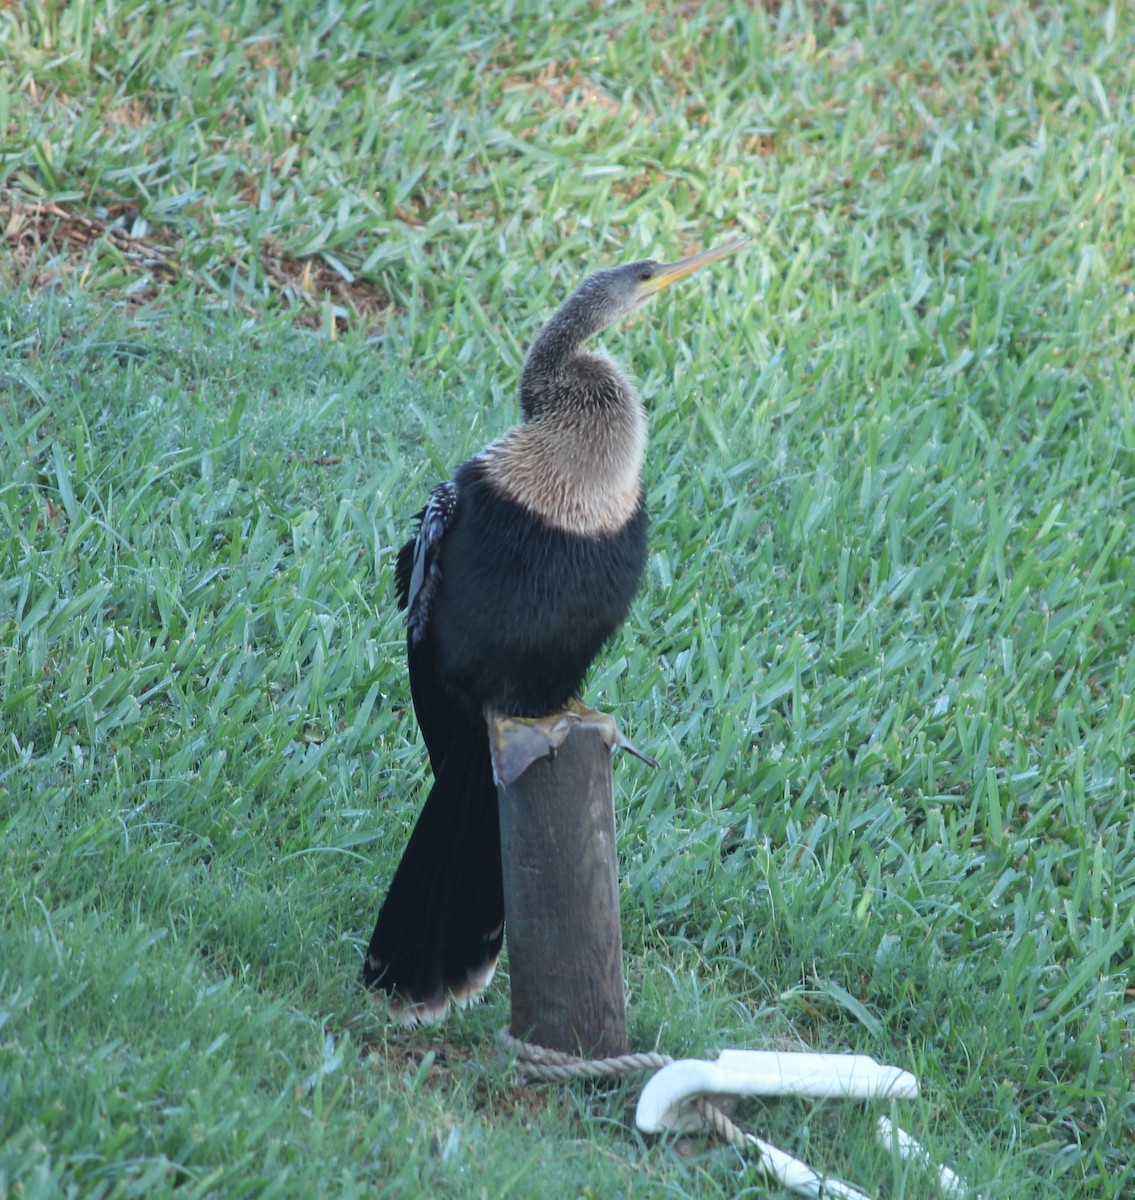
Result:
<point x="580" y="472"/>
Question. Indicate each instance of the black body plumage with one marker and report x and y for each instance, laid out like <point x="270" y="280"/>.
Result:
<point x="523" y="608"/>
<point x="523" y="567"/>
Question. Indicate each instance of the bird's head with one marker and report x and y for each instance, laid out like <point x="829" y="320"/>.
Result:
<point x="615" y="292"/>
<point x="599" y="301"/>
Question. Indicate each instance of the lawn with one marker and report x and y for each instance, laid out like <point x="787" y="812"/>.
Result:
<point x="269" y="273"/>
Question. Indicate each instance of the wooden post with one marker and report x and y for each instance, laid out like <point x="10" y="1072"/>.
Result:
<point x="561" y="887"/>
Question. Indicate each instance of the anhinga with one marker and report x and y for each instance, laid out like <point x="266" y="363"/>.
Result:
<point x="523" y="566"/>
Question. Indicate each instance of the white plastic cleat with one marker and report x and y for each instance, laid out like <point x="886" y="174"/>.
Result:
<point x="665" y="1101"/>
<point x="669" y="1100"/>
<point x="888" y="1134"/>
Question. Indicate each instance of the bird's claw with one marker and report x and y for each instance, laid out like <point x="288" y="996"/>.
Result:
<point x="517" y="742"/>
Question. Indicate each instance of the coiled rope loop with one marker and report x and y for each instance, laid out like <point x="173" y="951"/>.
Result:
<point x="557" y="1066"/>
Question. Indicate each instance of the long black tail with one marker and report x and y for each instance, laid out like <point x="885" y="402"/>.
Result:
<point x="441" y="926"/>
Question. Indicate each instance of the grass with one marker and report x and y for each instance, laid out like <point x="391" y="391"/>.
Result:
<point x="271" y="271"/>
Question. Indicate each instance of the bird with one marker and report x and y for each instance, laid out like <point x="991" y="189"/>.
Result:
<point x="522" y="567"/>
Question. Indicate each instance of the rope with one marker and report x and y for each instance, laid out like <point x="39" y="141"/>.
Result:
<point x="539" y="1062"/>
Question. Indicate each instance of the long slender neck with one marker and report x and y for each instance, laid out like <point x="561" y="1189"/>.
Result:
<point x="576" y="460"/>
<point x="557" y="346"/>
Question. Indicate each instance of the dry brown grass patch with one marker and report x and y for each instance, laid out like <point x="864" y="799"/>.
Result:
<point x="44" y="243"/>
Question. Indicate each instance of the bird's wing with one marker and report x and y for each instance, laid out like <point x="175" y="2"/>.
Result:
<point x="418" y="577"/>
<point x="441" y="925"/>
<point x="419" y="571"/>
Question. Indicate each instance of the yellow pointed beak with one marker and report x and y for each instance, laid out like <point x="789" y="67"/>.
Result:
<point x="669" y="273"/>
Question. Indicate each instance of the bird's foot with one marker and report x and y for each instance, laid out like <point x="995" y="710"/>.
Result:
<point x="517" y="742"/>
<point x="609" y="731"/>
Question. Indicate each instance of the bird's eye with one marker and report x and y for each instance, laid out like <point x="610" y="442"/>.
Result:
<point x="646" y="273"/>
